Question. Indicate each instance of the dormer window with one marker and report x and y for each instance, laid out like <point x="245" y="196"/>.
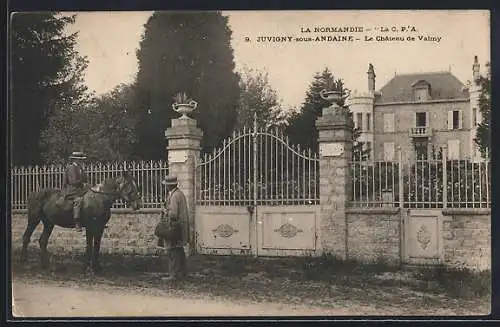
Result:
<point x="421" y="94"/>
<point x="421" y="90"/>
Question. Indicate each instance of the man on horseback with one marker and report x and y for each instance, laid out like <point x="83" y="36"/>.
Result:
<point x="74" y="185"/>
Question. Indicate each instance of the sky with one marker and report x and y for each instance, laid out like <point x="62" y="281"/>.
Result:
<point x="110" y="39"/>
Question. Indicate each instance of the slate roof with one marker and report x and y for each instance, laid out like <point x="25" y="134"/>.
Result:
<point x="443" y="85"/>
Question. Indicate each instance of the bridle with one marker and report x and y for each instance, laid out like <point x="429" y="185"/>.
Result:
<point x="112" y="193"/>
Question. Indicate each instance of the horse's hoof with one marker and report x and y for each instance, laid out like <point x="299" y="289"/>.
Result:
<point x="90" y="273"/>
<point x="97" y="269"/>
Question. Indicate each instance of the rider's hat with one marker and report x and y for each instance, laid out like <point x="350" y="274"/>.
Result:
<point x="170" y="180"/>
<point x="78" y="155"/>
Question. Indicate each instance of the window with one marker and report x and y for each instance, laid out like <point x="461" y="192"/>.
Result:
<point x="421" y="149"/>
<point x="420" y="119"/>
<point x="389" y="151"/>
<point x="474" y="117"/>
<point x="368" y="122"/>
<point x="359" y="121"/>
<point x="453" y="149"/>
<point x="455" y="119"/>
<point x="389" y="122"/>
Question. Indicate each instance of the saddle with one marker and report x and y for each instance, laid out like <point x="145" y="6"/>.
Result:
<point x="68" y="196"/>
<point x="72" y="192"/>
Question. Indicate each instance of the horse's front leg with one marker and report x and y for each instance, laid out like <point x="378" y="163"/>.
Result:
<point x="89" y="250"/>
<point x="97" y="248"/>
<point x="44" y="241"/>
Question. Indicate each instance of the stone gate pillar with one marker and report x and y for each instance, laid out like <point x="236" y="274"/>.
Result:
<point x="335" y="150"/>
<point x="183" y="150"/>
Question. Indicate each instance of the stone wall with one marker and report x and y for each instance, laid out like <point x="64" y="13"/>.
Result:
<point x="467" y="238"/>
<point x="127" y="232"/>
<point x="374" y="235"/>
<point x="377" y="235"/>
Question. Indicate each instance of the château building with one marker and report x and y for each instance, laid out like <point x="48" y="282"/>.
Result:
<point x="418" y="113"/>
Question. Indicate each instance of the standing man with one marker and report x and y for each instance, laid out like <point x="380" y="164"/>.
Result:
<point x="74" y="185"/>
<point x="172" y="229"/>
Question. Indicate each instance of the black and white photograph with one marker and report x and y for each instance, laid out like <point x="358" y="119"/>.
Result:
<point x="319" y="163"/>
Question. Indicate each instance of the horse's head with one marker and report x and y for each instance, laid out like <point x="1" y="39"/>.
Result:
<point x="129" y="192"/>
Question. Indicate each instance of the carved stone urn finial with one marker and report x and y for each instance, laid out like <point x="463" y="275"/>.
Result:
<point x="183" y="105"/>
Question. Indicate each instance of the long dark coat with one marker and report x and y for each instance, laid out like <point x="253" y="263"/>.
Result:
<point x="74" y="181"/>
<point x="173" y="226"/>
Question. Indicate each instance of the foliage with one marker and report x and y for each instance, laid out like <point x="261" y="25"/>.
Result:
<point x="103" y="128"/>
<point x="258" y="98"/>
<point x="483" y="135"/>
<point x="46" y="75"/>
<point x="459" y="282"/>
<point x="184" y="52"/>
<point x="182" y="97"/>
<point x="302" y="124"/>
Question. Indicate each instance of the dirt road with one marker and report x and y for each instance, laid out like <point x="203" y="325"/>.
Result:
<point x="229" y="286"/>
<point x="42" y="300"/>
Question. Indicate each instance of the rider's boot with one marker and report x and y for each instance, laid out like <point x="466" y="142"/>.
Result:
<point x="161" y="243"/>
<point x="76" y="215"/>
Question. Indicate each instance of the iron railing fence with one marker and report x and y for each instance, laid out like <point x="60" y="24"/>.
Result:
<point x="148" y="174"/>
<point x="258" y="167"/>
<point x="433" y="183"/>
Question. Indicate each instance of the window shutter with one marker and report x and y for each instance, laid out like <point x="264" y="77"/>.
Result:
<point x="389" y="122"/>
<point x="427" y="119"/>
<point x="389" y="151"/>
<point x="453" y="149"/>
<point x="414" y="119"/>
<point x="450" y="119"/>
<point x="460" y="119"/>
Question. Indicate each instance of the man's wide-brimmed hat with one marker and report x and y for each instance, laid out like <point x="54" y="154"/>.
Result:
<point x="170" y="180"/>
<point x="78" y="155"/>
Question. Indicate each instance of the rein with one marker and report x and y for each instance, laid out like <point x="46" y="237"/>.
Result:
<point x="104" y="193"/>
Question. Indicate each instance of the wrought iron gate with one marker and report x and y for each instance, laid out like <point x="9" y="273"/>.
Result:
<point x="257" y="194"/>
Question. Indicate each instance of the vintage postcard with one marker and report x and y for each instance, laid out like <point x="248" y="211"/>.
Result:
<point x="250" y="163"/>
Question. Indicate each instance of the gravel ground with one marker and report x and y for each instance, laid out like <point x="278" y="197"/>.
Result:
<point x="229" y="286"/>
<point x="34" y="299"/>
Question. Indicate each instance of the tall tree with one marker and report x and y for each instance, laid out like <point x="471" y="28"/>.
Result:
<point x="302" y="124"/>
<point x="258" y="98"/>
<point x="483" y="136"/>
<point x="185" y="52"/>
<point x="103" y="128"/>
<point x="46" y="73"/>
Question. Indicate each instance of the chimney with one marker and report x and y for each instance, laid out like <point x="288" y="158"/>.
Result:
<point x="371" y="78"/>
<point x="475" y="69"/>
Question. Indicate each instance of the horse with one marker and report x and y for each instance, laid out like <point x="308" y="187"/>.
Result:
<point x="49" y="207"/>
